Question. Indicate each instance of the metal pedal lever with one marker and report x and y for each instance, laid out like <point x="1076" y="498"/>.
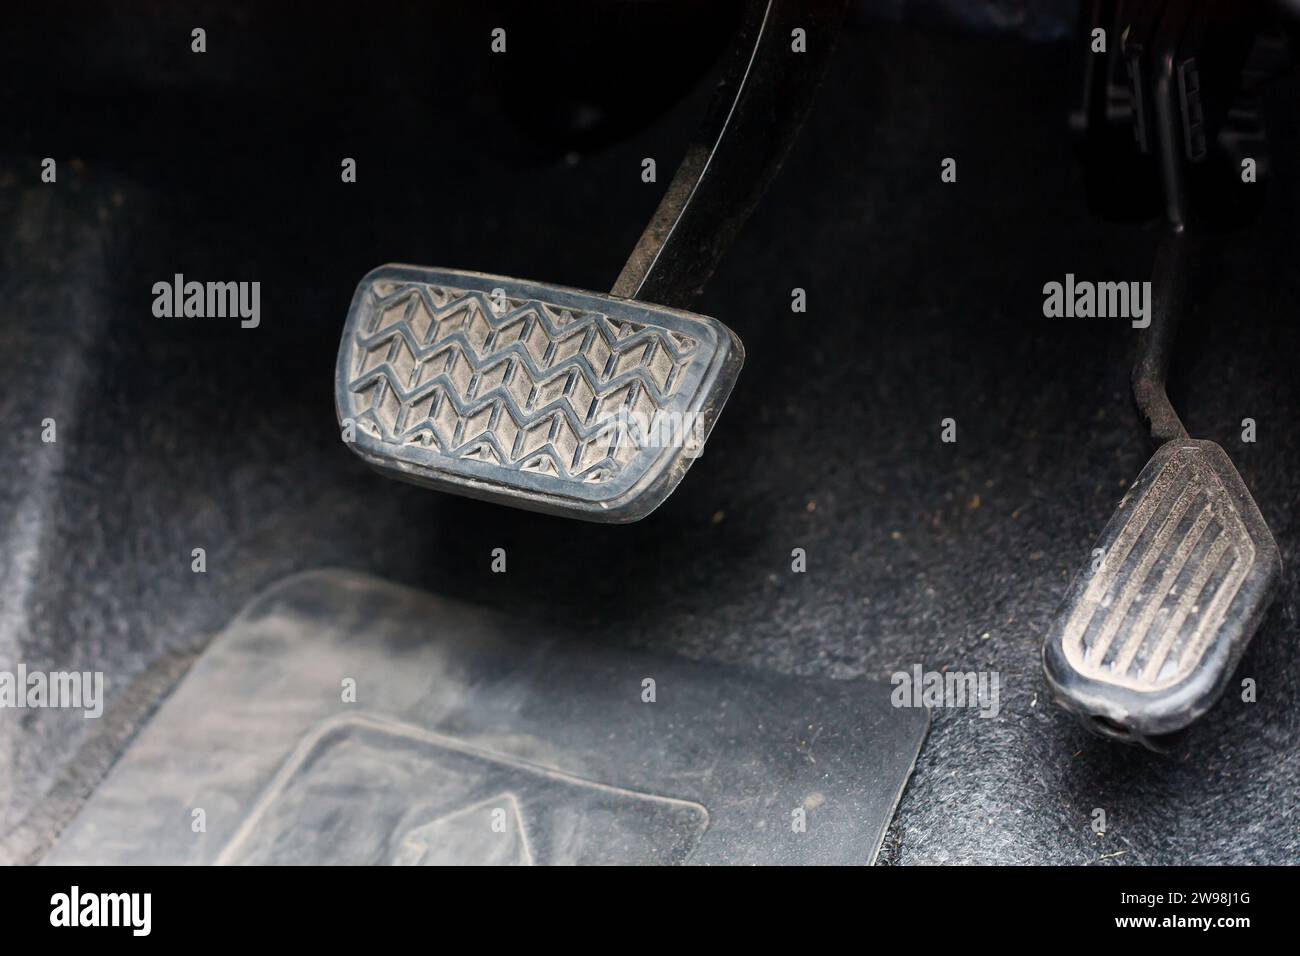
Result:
<point x="1151" y="631"/>
<point x="570" y="402"/>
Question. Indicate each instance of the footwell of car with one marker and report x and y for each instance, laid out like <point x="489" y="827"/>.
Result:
<point x="185" y="437"/>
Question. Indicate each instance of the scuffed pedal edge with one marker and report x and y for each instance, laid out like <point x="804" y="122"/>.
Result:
<point x="1125" y="711"/>
<point x="451" y="386"/>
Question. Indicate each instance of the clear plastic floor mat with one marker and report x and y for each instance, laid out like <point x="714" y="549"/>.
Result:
<point x="341" y="719"/>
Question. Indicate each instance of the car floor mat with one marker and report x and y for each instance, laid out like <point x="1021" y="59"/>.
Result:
<point x="343" y="719"/>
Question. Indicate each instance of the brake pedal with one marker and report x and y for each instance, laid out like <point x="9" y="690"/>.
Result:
<point x="530" y="395"/>
<point x="578" y="403"/>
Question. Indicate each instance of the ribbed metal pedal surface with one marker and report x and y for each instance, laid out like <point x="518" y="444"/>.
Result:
<point x="1181" y="576"/>
<point x="532" y="395"/>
